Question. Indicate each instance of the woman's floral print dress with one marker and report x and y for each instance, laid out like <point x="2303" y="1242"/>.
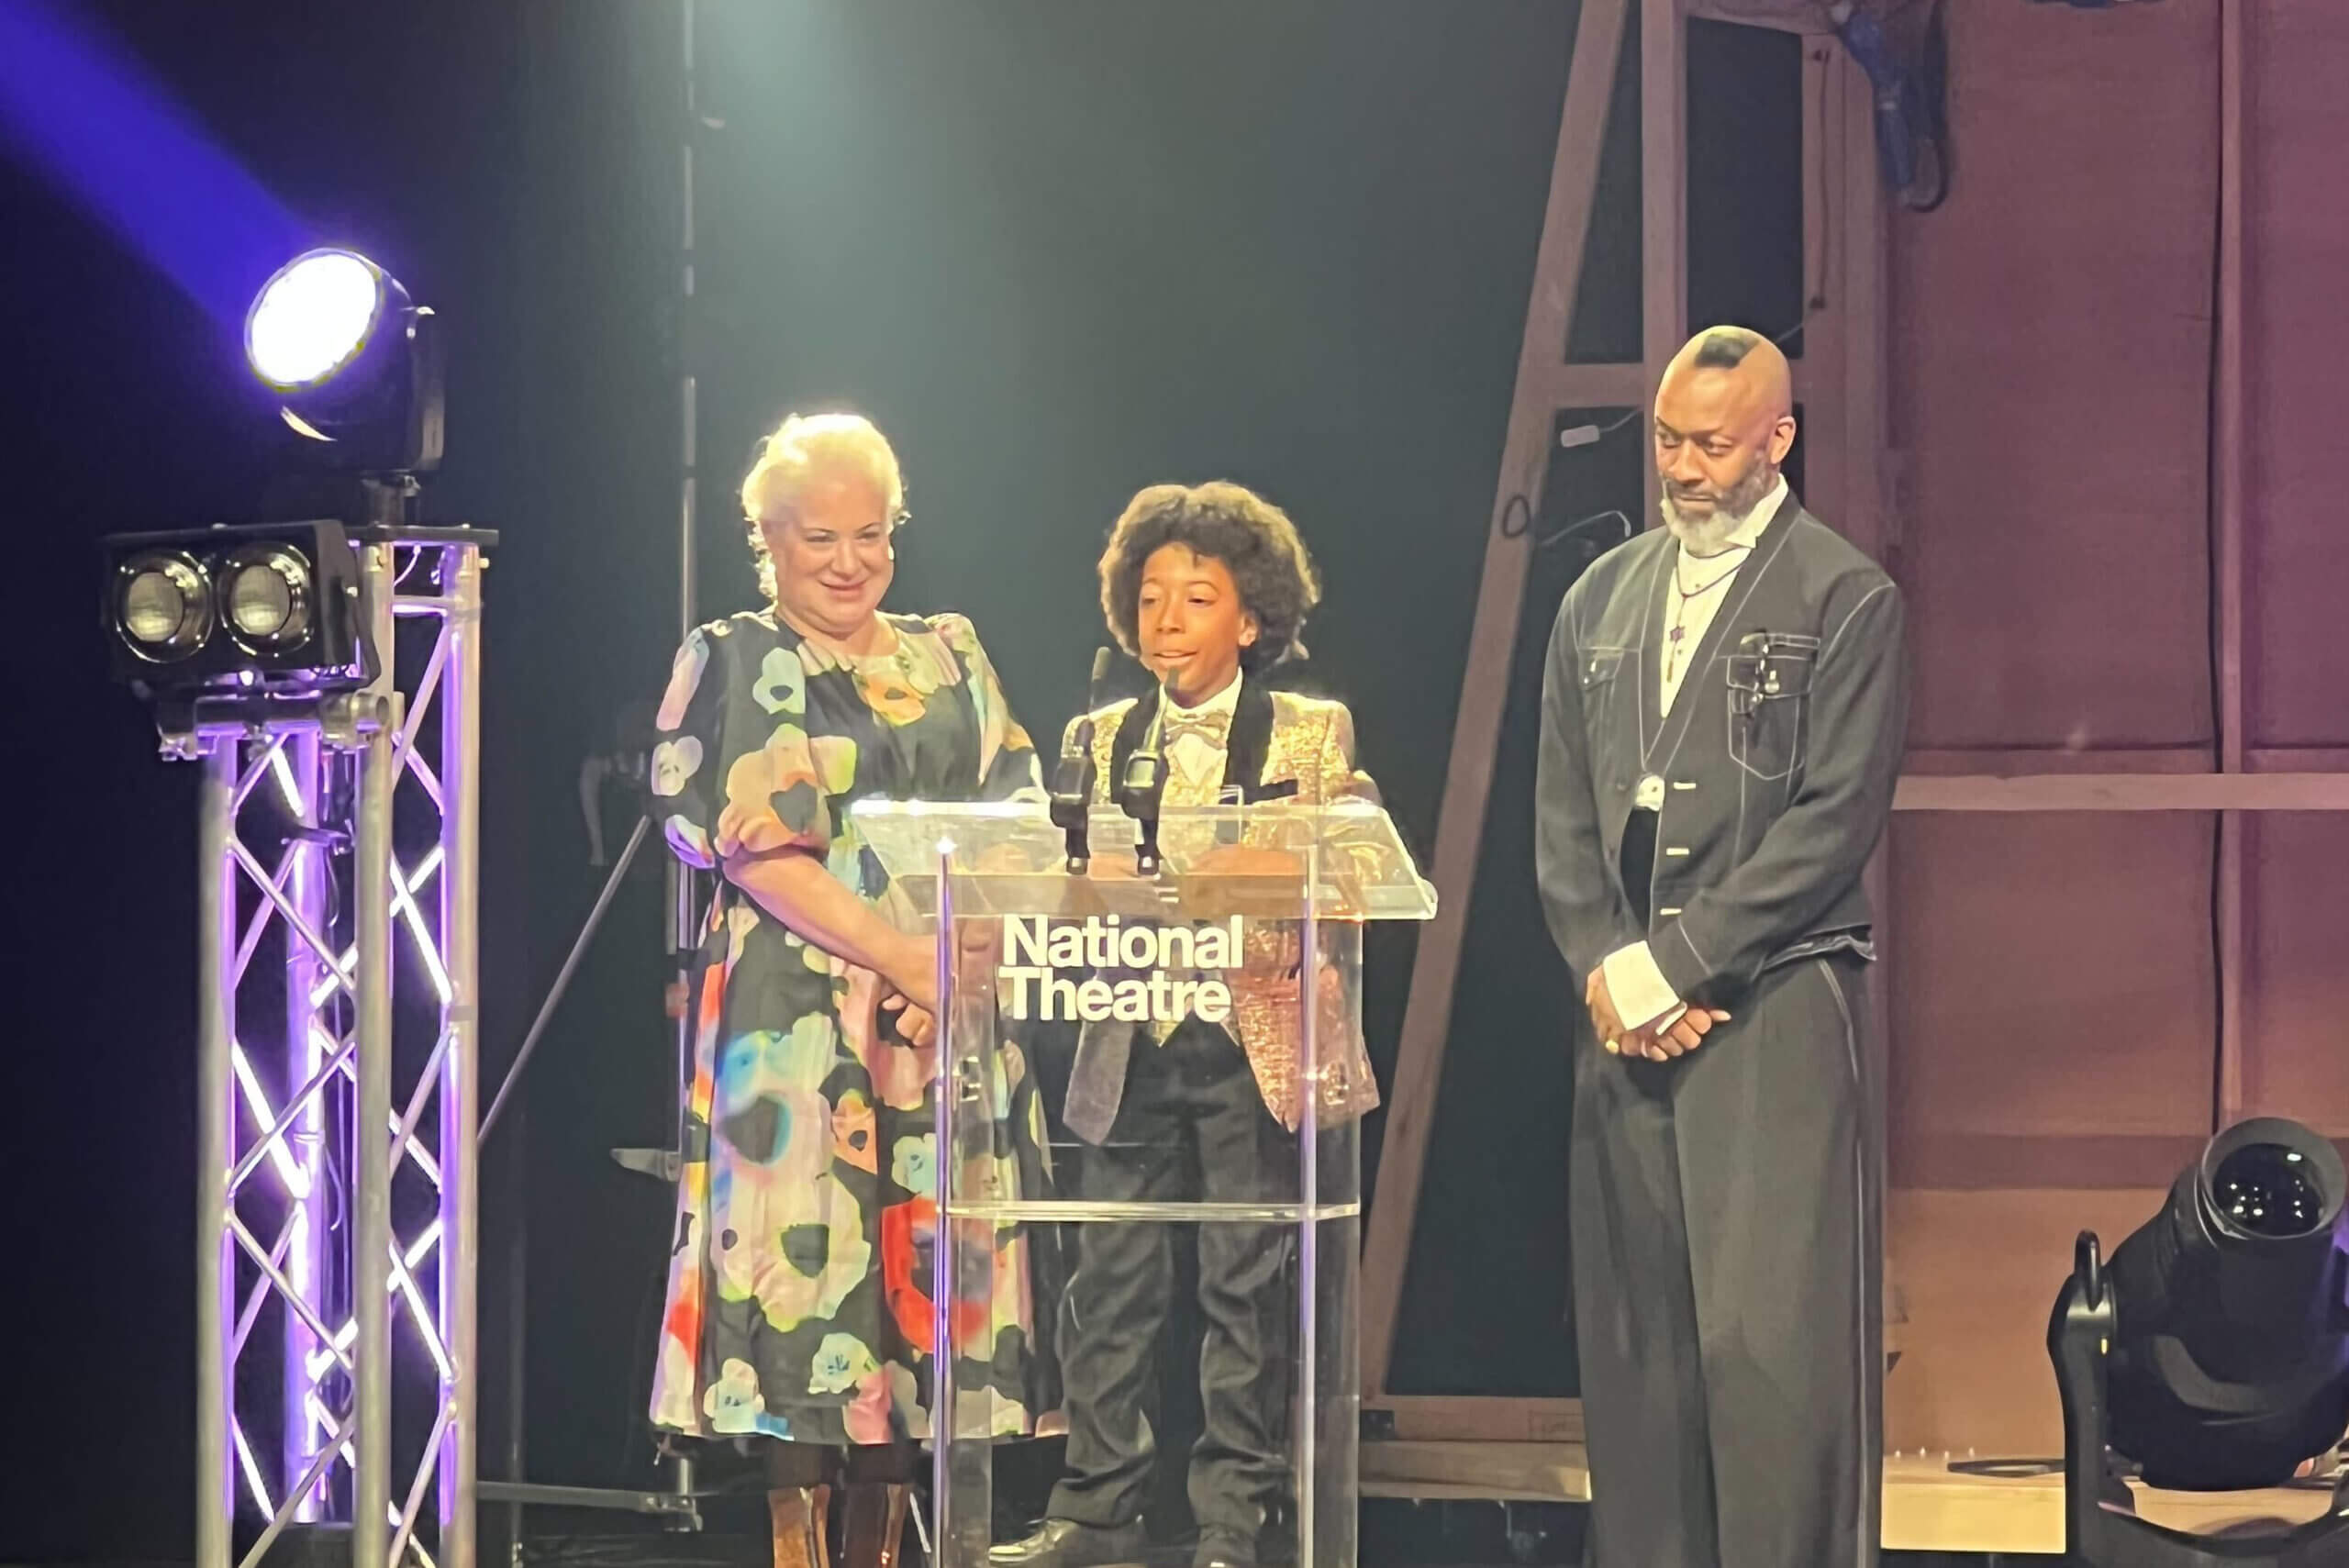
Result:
<point x="799" y="1300"/>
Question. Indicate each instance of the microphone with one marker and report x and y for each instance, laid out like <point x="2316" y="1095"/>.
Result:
<point x="1142" y="787"/>
<point x="1095" y="693"/>
<point x="1073" y="780"/>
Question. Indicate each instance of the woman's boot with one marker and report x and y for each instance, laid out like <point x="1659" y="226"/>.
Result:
<point x="874" y="1523"/>
<point x="798" y="1514"/>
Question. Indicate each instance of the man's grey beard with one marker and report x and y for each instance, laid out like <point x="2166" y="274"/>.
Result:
<point x="1710" y="535"/>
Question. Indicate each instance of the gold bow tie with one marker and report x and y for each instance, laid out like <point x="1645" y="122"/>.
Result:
<point x="1212" y="726"/>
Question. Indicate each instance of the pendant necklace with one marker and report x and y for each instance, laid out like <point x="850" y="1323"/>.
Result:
<point x="1677" y="635"/>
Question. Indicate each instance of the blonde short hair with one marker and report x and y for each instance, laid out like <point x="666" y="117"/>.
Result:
<point x="799" y="448"/>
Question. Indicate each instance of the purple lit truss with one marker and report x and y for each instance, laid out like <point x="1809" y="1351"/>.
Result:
<point x="336" y="1247"/>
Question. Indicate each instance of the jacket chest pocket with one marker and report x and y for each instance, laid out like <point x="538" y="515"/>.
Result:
<point x="1769" y="679"/>
<point x="1599" y="674"/>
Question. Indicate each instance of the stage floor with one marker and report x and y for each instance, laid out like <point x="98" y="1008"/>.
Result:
<point x="1926" y="1507"/>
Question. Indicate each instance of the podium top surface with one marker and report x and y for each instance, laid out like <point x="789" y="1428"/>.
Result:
<point x="1007" y="858"/>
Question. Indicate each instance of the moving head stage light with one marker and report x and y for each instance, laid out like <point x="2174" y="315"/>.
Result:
<point x="358" y="364"/>
<point x="2212" y="1351"/>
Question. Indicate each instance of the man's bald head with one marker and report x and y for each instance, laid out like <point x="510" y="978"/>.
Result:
<point x="1725" y="420"/>
<point x="1749" y="361"/>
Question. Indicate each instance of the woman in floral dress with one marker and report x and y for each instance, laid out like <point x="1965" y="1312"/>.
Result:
<point x="798" y="1303"/>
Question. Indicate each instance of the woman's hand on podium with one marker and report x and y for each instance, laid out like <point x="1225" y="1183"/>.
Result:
<point x="915" y="1023"/>
<point x="912" y="970"/>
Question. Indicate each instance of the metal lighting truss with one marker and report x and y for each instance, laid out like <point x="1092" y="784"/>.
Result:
<point x="335" y="1240"/>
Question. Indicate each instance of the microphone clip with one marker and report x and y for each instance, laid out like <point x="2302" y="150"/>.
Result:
<point x="1143" y="787"/>
<point x="1074" y="779"/>
<point x="1139" y="794"/>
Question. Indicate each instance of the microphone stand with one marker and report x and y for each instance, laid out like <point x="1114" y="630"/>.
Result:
<point x="1074" y="779"/>
<point x="1073" y="797"/>
<point x="1142" y="789"/>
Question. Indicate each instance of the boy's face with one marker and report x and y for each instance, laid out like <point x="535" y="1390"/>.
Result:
<point x="1191" y="623"/>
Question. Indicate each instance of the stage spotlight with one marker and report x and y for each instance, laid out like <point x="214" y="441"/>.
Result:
<point x="357" y="362"/>
<point x="270" y="610"/>
<point x="313" y="318"/>
<point x="2232" y="1361"/>
<point x="2212" y="1350"/>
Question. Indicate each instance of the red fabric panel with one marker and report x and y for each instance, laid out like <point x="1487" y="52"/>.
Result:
<point x="2049" y="367"/>
<point x="2296" y="356"/>
<point x="2295" y="1023"/>
<point x="2054" y="983"/>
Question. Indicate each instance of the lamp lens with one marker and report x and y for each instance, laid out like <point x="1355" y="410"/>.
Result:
<point x="312" y="318"/>
<point x="153" y="608"/>
<point x="2267" y="1190"/>
<point x="261" y="598"/>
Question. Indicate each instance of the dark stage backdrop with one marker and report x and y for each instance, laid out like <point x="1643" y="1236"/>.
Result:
<point x="1058" y="251"/>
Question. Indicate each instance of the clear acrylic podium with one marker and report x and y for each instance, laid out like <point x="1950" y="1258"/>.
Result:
<point x="1242" y="893"/>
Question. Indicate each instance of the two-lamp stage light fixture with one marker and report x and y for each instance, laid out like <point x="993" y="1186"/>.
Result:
<point x="257" y="608"/>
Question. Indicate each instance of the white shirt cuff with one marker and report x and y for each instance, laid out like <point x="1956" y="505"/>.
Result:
<point x="1642" y="996"/>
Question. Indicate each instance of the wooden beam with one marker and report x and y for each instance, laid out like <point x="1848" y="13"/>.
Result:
<point x="1811" y="21"/>
<point x="1484" y="689"/>
<point x="1858" y="289"/>
<point x="1829" y="428"/>
<point x="1375" y="1484"/>
<point x="1663" y="196"/>
<point x="2228" y="500"/>
<point x="1553" y="1471"/>
<point x="1464" y="1417"/>
<point x="1853" y="281"/>
<point x="1589" y="386"/>
<point x="1929" y="1505"/>
<point x="2061" y="1161"/>
<point x="2229" y="521"/>
<point x="2297" y="759"/>
<point x="2125" y="792"/>
<point x="1626" y="385"/>
<point x="1814" y="385"/>
<point x="2014" y="762"/>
